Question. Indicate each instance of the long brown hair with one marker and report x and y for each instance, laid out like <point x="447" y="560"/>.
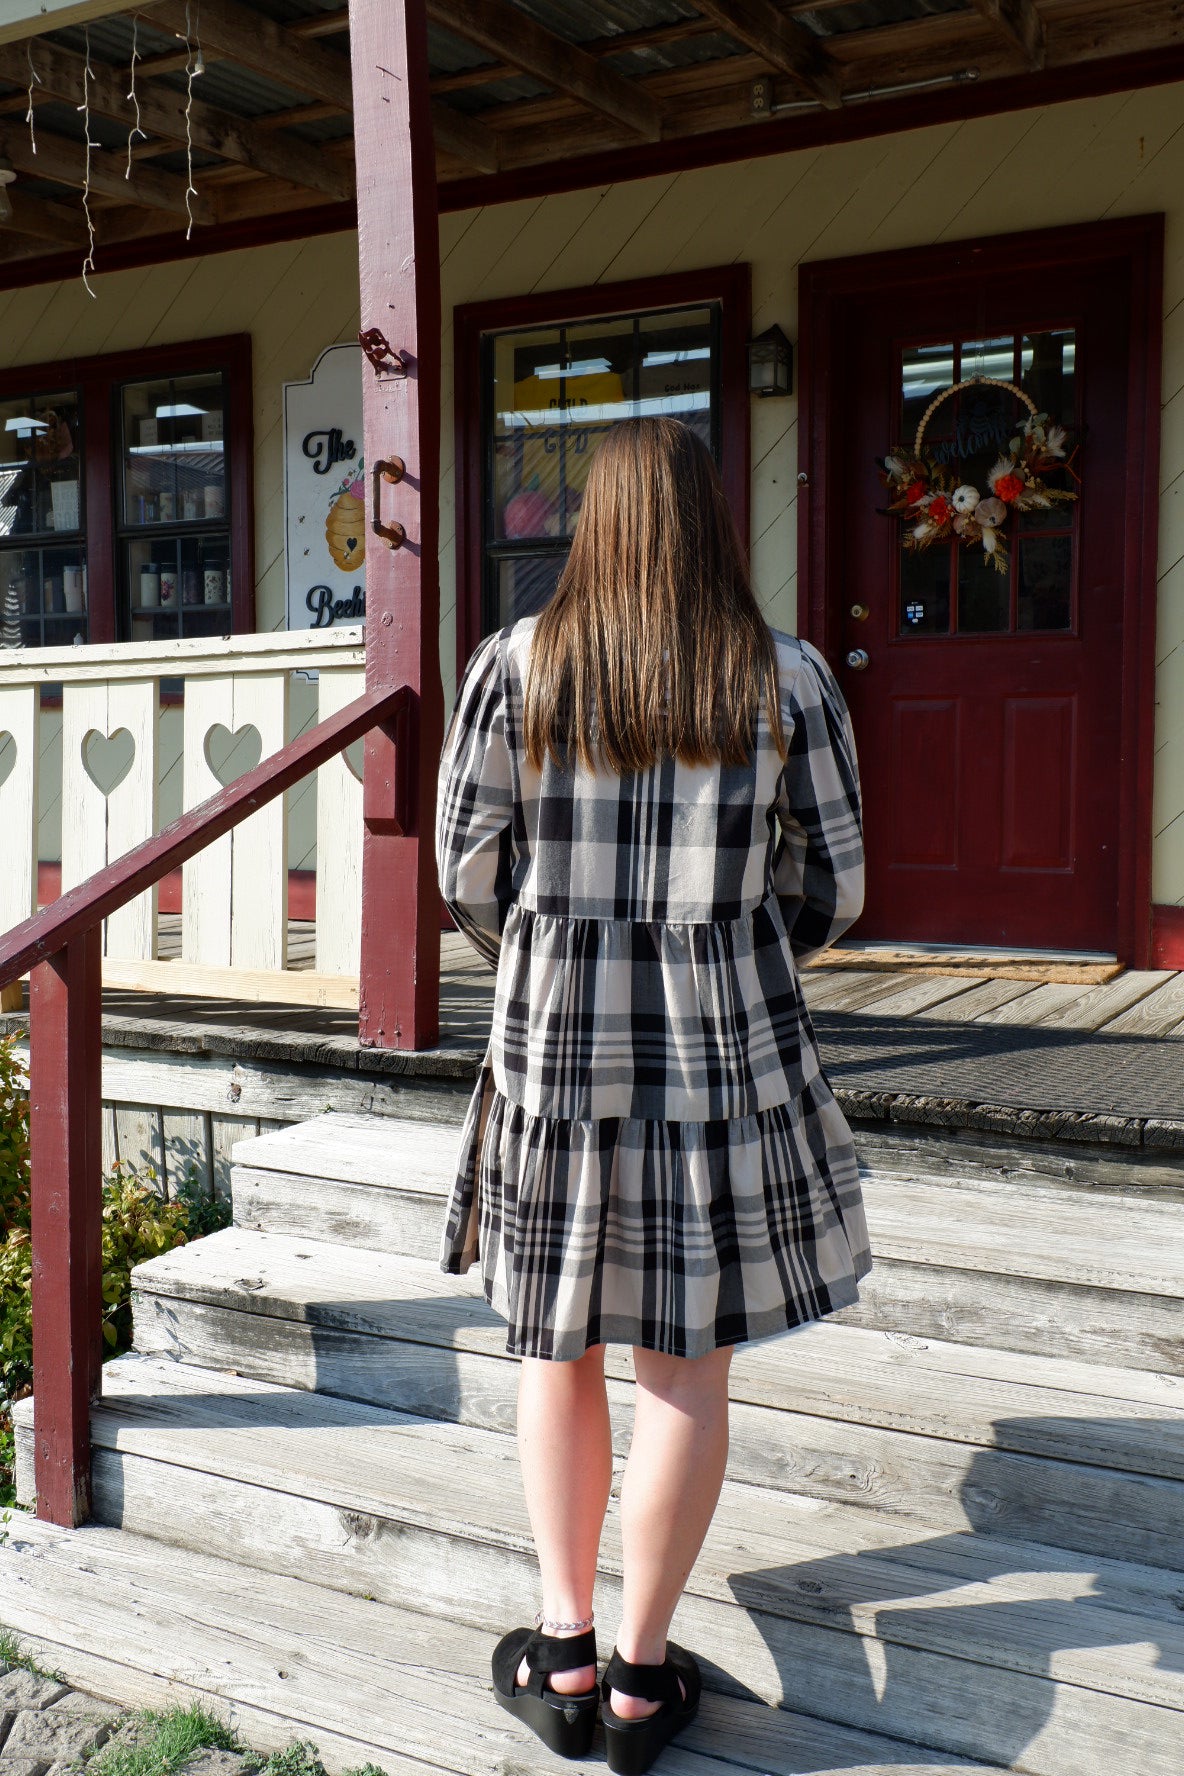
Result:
<point x="653" y="645"/>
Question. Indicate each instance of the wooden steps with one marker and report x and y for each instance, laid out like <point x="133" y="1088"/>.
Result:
<point x="1015" y="1264"/>
<point x="982" y="1638"/>
<point x="934" y="1532"/>
<point x="122" y="1616"/>
<point x="1049" y="1448"/>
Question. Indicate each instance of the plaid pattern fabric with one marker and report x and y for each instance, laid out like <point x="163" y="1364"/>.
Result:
<point x="652" y="1140"/>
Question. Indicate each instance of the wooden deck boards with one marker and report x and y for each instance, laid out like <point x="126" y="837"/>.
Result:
<point x="1137" y="1002"/>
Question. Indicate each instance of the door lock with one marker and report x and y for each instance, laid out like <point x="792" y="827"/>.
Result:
<point x="860" y="612"/>
<point x="858" y="659"/>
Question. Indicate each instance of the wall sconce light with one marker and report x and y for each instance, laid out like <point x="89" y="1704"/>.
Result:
<point x="770" y="363"/>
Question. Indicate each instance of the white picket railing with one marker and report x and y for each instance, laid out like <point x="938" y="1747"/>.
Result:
<point x="234" y="921"/>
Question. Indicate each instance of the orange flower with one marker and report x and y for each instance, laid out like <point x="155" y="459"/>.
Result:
<point x="941" y="510"/>
<point x="915" y="493"/>
<point x="1009" y="487"/>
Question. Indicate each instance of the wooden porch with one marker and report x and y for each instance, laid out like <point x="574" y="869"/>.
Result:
<point x="950" y="1540"/>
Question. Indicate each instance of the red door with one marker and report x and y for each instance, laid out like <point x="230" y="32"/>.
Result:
<point x="988" y="710"/>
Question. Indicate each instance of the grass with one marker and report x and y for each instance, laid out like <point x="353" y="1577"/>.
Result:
<point x="161" y="1742"/>
<point x="154" y="1742"/>
<point x="16" y="1656"/>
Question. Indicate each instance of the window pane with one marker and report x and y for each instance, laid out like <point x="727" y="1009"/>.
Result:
<point x="1046" y="569"/>
<point x="1049" y="366"/>
<point x="674" y="374"/>
<point x="984" y="595"/>
<point x="40" y="490"/>
<point x="925" y="369"/>
<point x="556" y="392"/>
<point x="925" y="592"/>
<point x="1048" y="363"/>
<point x="43" y="596"/>
<point x="524" y="584"/>
<point x="171" y="579"/>
<point x="173" y="438"/>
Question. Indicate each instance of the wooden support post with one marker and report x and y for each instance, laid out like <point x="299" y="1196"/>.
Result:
<point x="66" y="1148"/>
<point x="399" y="266"/>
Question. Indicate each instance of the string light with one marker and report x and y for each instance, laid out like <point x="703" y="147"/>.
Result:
<point x="88" y="264"/>
<point x="33" y="77"/>
<point x="134" y="97"/>
<point x="193" y="66"/>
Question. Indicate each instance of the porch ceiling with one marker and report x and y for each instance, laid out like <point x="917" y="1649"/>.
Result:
<point x="518" y="86"/>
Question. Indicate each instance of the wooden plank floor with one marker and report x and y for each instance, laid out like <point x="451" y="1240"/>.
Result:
<point x="1133" y="1003"/>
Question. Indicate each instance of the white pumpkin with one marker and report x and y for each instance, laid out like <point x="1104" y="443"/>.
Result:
<point x="965" y="498"/>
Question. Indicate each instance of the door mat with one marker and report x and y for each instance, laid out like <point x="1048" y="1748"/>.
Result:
<point x="969" y="964"/>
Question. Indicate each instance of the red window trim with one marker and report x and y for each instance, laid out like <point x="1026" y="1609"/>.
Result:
<point x="95" y="378"/>
<point x="729" y="285"/>
<point x="1136" y="242"/>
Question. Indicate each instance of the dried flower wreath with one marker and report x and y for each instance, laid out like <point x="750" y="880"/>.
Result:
<point x="934" y="505"/>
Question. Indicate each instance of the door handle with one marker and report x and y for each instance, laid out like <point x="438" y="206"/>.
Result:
<point x="390" y="470"/>
<point x="859" y="659"/>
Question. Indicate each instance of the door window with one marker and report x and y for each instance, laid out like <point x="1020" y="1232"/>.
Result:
<point x="953" y="590"/>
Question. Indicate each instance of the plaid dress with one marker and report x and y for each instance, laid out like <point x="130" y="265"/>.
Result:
<point x="652" y="1155"/>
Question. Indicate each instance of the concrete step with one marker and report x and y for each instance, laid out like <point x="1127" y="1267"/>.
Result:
<point x="1087" y="1273"/>
<point x="1034" y="1447"/>
<point x="1012" y="1652"/>
<point x="119" y="1615"/>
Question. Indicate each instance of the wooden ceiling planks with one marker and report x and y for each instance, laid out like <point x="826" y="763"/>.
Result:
<point x="589" y="108"/>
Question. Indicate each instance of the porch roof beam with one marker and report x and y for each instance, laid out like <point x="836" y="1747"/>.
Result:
<point x="466" y="137"/>
<point x="1019" y="22"/>
<point x="163" y="114"/>
<point x="256" y="42"/>
<point x="63" y="160"/>
<point x="43" y="221"/>
<point x="513" y="37"/>
<point x="782" y="42"/>
<point x="39" y="16"/>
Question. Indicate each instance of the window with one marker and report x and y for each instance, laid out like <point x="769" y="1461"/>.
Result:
<point x="554" y="374"/>
<point x="125" y="497"/>
<point x="956" y="590"/>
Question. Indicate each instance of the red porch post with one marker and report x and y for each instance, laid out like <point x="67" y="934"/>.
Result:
<point x="65" y="1138"/>
<point x="399" y="264"/>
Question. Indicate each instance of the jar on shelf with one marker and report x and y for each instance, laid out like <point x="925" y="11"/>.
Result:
<point x="214" y="583"/>
<point x="149" y="585"/>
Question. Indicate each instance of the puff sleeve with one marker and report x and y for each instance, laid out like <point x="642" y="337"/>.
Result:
<point x="475" y="847"/>
<point x="818" y="858"/>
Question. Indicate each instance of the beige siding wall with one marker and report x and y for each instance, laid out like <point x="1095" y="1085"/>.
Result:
<point x="293" y="300"/>
<point x="1079" y="162"/>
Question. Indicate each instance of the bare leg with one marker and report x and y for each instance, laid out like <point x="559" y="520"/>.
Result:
<point x="668" y="1497"/>
<point x="565" y="1446"/>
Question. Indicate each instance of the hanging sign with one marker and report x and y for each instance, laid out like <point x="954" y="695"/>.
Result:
<point x="325" y="493"/>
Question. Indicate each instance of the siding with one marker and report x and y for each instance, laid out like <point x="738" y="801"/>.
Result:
<point x="1079" y="162"/>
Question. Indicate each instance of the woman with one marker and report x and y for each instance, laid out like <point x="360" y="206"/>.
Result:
<point x="649" y="807"/>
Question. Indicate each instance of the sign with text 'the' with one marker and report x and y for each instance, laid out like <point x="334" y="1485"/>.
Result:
<point x="325" y="493"/>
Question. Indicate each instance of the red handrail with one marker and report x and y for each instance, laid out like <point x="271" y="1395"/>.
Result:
<point x="61" y="946"/>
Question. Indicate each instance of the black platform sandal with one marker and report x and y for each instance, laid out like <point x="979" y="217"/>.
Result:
<point x="632" y="1745"/>
<point x="564" y="1723"/>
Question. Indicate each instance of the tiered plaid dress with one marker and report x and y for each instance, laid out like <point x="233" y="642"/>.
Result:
<point x="652" y="1155"/>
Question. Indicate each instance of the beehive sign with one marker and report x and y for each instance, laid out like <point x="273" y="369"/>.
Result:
<point x="324" y="493"/>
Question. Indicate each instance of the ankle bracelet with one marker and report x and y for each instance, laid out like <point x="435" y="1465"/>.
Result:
<point x="549" y="1627"/>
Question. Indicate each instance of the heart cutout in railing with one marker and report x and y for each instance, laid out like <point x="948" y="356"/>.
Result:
<point x="230" y="753"/>
<point x="107" y="758"/>
<point x="7" y="755"/>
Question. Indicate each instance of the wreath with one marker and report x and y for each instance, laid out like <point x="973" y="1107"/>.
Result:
<point x="934" y="505"/>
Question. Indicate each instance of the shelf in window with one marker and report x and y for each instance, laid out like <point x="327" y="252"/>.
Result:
<point x="188" y="447"/>
<point x="170" y="610"/>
